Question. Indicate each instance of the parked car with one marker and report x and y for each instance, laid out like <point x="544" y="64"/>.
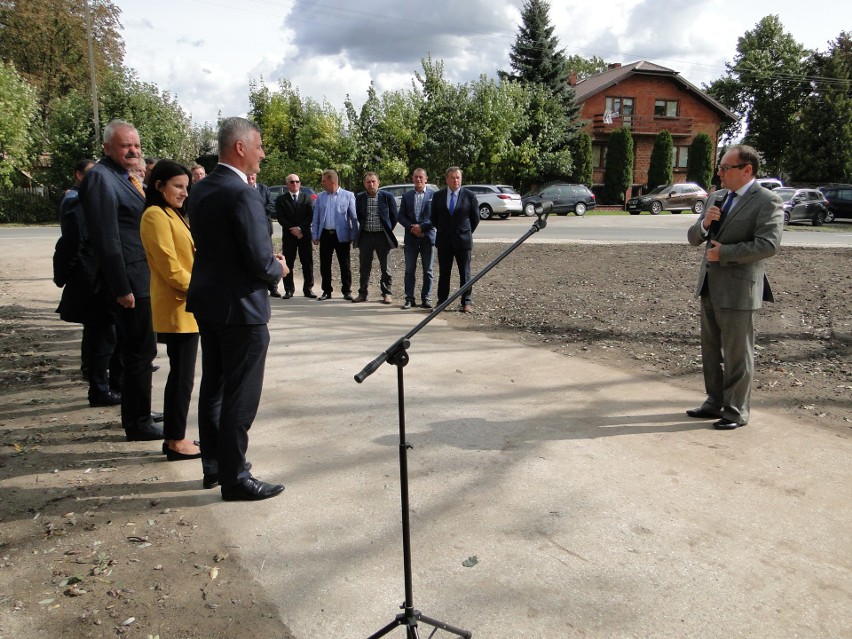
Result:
<point x="770" y="183"/>
<point x="838" y="201"/>
<point x="803" y="205"/>
<point x="496" y="199"/>
<point x="280" y="189"/>
<point x="669" y="197"/>
<point x="397" y="190"/>
<point x="566" y="198"/>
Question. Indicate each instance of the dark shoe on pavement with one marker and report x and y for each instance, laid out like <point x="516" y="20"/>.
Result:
<point x="156" y="416"/>
<point x="726" y="424"/>
<point x="702" y="413"/>
<point x="406" y="306"/>
<point x="358" y="299"/>
<point x="106" y="399"/>
<point x="288" y="295"/>
<point x="251" y="489"/>
<point x="146" y="433"/>
<point x="173" y="455"/>
<point x="426" y="304"/>
<point x="310" y="294"/>
<point x="210" y="480"/>
<point x="324" y="296"/>
<point x="348" y="296"/>
<point x="274" y="292"/>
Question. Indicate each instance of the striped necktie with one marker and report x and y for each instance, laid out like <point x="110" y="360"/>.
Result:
<point x="136" y="183"/>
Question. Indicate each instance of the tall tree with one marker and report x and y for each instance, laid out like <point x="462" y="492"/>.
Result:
<point x="766" y="85"/>
<point x="700" y="161"/>
<point x="46" y="40"/>
<point x="618" y="176"/>
<point x="581" y="152"/>
<point x="822" y="143"/>
<point x="18" y="108"/>
<point x="660" y="166"/>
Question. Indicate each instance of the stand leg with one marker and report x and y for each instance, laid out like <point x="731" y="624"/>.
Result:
<point x="410" y="616"/>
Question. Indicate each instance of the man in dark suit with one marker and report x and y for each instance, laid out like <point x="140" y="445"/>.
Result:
<point x="455" y="214"/>
<point x="295" y="211"/>
<point x="113" y="202"/>
<point x="415" y="215"/>
<point x="376" y="211"/>
<point x="269" y="207"/>
<point x="234" y="265"/>
<point x="741" y="227"/>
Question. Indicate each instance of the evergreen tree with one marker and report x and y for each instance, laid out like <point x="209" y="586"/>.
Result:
<point x="619" y="166"/>
<point x="700" y="161"/>
<point x="581" y="152"/>
<point x="660" y="167"/>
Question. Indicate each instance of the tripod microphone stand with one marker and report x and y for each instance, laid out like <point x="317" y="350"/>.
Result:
<point x="397" y="355"/>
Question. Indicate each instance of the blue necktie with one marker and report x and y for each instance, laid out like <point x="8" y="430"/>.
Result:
<point x="729" y="202"/>
<point x="452" y="203"/>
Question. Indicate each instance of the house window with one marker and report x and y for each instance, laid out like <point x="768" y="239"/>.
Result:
<point x="598" y="156"/>
<point x="621" y="108"/>
<point x="680" y="157"/>
<point x="665" y="108"/>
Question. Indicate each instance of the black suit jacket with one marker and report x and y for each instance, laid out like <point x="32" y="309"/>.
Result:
<point x="455" y="231"/>
<point x="234" y="263"/>
<point x="113" y="211"/>
<point x="387" y="213"/>
<point x="299" y="213"/>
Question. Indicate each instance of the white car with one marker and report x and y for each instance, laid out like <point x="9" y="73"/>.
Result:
<point x="496" y="199"/>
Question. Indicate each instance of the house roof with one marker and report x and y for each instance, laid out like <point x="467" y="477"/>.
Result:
<point x="596" y="83"/>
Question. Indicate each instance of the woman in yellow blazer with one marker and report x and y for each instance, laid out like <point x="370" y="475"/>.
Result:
<point x="171" y="253"/>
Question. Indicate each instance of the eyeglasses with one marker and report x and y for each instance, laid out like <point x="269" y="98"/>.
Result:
<point x="724" y="168"/>
<point x="293" y="181"/>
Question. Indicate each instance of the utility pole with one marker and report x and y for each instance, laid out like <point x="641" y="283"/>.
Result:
<point x="96" y="119"/>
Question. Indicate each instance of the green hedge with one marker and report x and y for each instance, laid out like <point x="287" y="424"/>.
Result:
<point x="19" y="206"/>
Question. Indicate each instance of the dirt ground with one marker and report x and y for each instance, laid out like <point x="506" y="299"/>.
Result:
<point x="86" y="552"/>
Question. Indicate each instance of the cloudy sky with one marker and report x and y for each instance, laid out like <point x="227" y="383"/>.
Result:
<point x="205" y="52"/>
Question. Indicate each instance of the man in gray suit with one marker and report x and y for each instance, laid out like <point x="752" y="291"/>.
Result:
<point x="741" y="227"/>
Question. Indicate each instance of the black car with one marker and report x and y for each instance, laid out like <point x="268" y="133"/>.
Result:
<point x="669" y="197"/>
<point x="566" y="198"/>
<point x="839" y="201"/>
<point x="802" y="205"/>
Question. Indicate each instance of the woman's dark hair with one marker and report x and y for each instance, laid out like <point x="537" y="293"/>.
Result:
<point x="163" y="171"/>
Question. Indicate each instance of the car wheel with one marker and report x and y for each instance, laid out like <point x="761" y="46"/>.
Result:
<point x="656" y="207"/>
<point x="484" y="212"/>
<point x="829" y="216"/>
<point x="786" y="217"/>
<point x="580" y="209"/>
<point x="529" y="209"/>
<point x="698" y="207"/>
<point x="818" y="218"/>
<point x="505" y="215"/>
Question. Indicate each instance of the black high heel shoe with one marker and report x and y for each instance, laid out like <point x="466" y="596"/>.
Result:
<point x="173" y="455"/>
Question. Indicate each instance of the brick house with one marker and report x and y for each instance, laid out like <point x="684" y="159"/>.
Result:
<point x="647" y="98"/>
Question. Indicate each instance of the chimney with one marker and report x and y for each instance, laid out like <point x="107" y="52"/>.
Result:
<point x="614" y="65"/>
<point x="572" y="80"/>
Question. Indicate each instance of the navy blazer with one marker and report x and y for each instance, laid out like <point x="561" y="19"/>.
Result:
<point x="407" y="217"/>
<point x="455" y="231"/>
<point x="234" y="262"/>
<point x="387" y="213"/>
<point x="113" y="209"/>
<point x="299" y="213"/>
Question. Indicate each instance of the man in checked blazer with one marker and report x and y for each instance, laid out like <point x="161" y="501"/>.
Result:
<point x="741" y="227"/>
<point x="455" y="215"/>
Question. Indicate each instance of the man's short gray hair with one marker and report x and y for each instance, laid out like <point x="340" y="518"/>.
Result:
<point x="235" y="129"/>
<point x="113" y="126"/>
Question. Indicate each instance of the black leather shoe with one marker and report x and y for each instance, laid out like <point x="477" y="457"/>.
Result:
<point x="173" y="455"/>
<point x="310" y="294"/>
<point x="726" y="424"/>
<point x="106" y="399"/>
<point x="425" y="305"/>
<point x="156" y="416"/>
<point x="288" y="295"/>
<point x="251" y="489"/>
<point x="348" y="297"/>
<point x="406" y="306"/>
<point x="210" y="481"/>
<point x="358" y="300"/>
<point x="274" y="293"/>
<point x="147" y="433"/>
<point x="702" y="413"/>
<point x="325" y="296"/>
